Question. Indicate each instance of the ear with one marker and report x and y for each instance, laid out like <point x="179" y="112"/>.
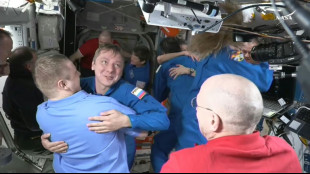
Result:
<point x="92" y="66"/>
<point x="215" y="123"/>
<point x="143" y="62"/>
<point x="28" y="67"/>
<point x="61" y="84"/>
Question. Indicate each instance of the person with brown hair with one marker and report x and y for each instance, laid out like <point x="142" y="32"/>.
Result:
<point x="173" y="86"/>
<point x="216" y="56"/>
<point x="137" y="71"/>
<point x="171" y="48"/>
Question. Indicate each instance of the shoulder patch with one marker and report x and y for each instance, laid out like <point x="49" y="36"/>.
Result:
<point x="237" y="56"/>
<point x="138" y="92"/>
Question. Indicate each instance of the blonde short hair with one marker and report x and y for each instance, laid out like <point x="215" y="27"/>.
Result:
<point x="48" y="71"/>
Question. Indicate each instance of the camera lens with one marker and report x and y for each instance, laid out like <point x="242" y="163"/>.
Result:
<point x="263" y="53"/>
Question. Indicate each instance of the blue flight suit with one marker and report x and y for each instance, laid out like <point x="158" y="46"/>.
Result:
<point x="137" y="75"/>
<point x="221" y="63"/>
<point x="150" y="114"/>
<point x="164" y="87"/>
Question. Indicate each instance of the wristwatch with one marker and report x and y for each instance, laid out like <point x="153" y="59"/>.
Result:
<point x="191" y="71"/>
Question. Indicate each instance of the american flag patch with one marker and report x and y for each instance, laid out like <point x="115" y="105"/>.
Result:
<point x="138" y="92"/>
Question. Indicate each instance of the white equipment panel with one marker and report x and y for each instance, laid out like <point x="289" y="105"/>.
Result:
<point x="18" y="35"/>
<point x="181" y="17"/>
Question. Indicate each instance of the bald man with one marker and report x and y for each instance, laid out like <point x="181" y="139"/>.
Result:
<point x="6" y="45"/>
<point x="228" y="110"/>
<point x="87" y="51"/>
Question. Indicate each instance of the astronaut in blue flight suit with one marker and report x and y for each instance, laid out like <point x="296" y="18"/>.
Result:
<point x="166" y="85"/>
<point x="108" y="65"/>
<point x="137" y="72"/>
<point x="225" y="61"/>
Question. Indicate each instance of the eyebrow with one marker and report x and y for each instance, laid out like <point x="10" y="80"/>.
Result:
<point x="105" y="58"/>
<point x="102" y="58"/>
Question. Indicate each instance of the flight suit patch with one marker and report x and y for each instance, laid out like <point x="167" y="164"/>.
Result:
<point x="237" y="56"/>
<point x="138" y="92"/>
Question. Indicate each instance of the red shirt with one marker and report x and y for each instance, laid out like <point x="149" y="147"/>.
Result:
<point x="236" y="154"/>
<point x="88" y="50"/>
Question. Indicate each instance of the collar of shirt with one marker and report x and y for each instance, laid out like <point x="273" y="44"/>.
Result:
<point x="67" y="101"/>
<point x="114" y="87"/>
<point x="131" y="66"/>
<point x="249" y="141"/>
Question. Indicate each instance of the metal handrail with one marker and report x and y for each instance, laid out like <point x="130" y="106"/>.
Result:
<point x="6" y="134"/>
<point x="11" y="145"/>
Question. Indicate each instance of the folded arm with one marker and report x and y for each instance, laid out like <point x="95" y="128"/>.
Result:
<point x="76" y="56"/>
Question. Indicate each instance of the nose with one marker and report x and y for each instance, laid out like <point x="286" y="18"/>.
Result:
<point x="246" y="53"/>
<point x="110" y="68"/>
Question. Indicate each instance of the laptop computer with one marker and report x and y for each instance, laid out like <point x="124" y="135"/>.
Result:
<point x="300" y="124"/>
<point x="279" y="98"/>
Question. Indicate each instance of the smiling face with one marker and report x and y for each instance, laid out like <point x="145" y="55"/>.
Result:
<point x="108" y="67"/>
<point x="134" y="60"/>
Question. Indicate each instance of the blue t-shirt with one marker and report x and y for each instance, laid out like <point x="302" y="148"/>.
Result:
<point x="137" y="76"/>
<point x="223" y="62"/>
<point x="150" y="114"/>
<point x="88" y="151"/>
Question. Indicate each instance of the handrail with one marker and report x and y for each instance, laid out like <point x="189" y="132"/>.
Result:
<point x="11" y="145"/>
<point x="6" y="154"/>
<point x="6" y="134"/>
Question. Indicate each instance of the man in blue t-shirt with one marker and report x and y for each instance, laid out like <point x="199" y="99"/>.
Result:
<point x="65" y="116"/>
<point x="150" y="115"/>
